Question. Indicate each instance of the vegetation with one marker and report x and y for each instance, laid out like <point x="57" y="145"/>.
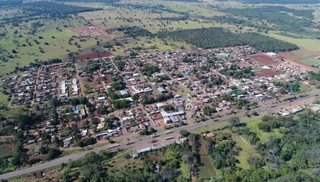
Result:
<point x="219" y="37"/>
<point x="133" y="31"/>
<point x="56" y="9"/>
<point x="102" y="1"/>
<point x="277" y="16"/>
<point x="278" y="1"/>
<point x="10" y="2"/>
<point x="184" y="0"/>
<point x="86" y="142"/>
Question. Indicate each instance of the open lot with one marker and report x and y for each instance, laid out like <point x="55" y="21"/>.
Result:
<point x="266" y="73"/>
<point x="6" y="150"/>
<point x="263" y="59"/>
<point x="206" y="169"/>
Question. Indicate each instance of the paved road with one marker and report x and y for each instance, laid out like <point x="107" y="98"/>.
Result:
<point x="143" y="141"/>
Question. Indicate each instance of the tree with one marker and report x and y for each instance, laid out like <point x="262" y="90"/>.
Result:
<point x="234" y="122"/>
<point x="52" y="154"/>
<point x="264" y="127"/>
<point x="24" y="120"/>
<point x="54" y="102"/>
<point x="184" y="133"/>
<point x="255" y="113"/>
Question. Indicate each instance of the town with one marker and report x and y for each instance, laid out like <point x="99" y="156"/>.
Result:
<point x="99" y="98"/>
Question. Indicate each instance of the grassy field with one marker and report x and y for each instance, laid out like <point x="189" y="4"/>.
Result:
<point x="3" y="98"/>
<point x="308" y="47"/>
<point x="290" y="35"/>
<point x="211" y="127"/>
<point x="185" y="170"/>
<point x="253" y="126"/>
<point x="310" y="61"/>
<point x="246" y="153"/>
<point x="207" y="169"/>
<point x="53" y="37"/>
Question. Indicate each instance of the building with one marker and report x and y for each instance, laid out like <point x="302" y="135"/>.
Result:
<point x="124" y="93"/>
<point x="224" y="55"/>
<point x="162" y="90"/>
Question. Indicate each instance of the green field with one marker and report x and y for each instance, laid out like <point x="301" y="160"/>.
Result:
<point x="3" y="98"/>
<point x="185" y="170"/>
<point x="253" y="126"/>
<point x="290" y="35"/>
<point x="57" y="42"/>
<point x="308" y="47"/>
<point x="246" y="153"/>
<point x="207" y="169"/>
<point x="310" y="61"/>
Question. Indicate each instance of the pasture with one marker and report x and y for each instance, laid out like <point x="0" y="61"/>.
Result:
<point x="310" y="61"/>
<point x="308" y="47"/>
<point x="253" y="126"/>
<point x="52" y="39"/>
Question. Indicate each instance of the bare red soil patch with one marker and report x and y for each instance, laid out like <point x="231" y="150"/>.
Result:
<point x="93" y="56"/>
<point x="266" y="73"/>
<point x="36" y="157"/>
<point x="86" y="32"/>
<point x="155" y="157"/>
<point x="263" y="59"/>
<point x="108" y="79"/>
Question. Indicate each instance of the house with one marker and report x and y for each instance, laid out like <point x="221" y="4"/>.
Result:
<point x="162" y="90"/>
<point x="144" y="150"/>
<point x="224" y="55"/>
<point x="157" y="75"/>
<point x="124" y="93"/>
<point x="142" y="126"/>
<point x="297" y="109"/>
<point x="135" y="156"/>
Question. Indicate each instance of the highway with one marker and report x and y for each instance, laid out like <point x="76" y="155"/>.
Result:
<point x="144" y="140"/>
